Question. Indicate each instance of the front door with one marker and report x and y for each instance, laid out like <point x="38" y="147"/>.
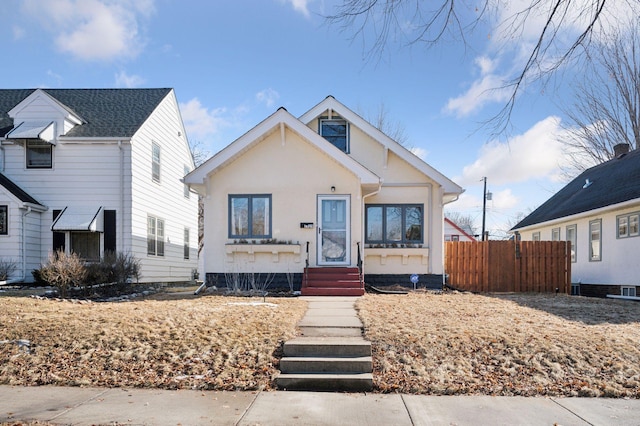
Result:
<point x="334" y="230"/>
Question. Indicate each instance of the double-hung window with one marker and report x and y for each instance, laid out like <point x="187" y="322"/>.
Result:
<point x="336" y="132"/>
<point x="394" y="224"/>
<point x="535" y="236"/>
<point x="155" y="236"/>
<point x="4" y="220"/>
<point x="628" y="225"/>
<point x="250" y="216"/>
<point x="155" y="162"/>
<point x="572" y="237"/>
<point x="555" y="234"/>
<point x="595" y="240"/>
<point x="39" y="154"/>
<point x="186" y="243"/>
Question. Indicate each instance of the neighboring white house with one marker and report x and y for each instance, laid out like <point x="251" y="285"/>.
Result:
<point x="95" y="170"/>
<point x="453" y="232"/>
<point x="599" y="213"/>
<point x="326" y="189"/>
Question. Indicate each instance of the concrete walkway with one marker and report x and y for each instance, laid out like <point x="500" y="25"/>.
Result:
<point x="91" y="406"/>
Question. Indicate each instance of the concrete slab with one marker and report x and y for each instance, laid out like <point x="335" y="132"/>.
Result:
<point x="332" y="312"/>
<point x="604" y="411"/>
<point x="488" y="410"/>
<point x="323" y="321"/>
<point x="158" y="407"/>
<point x="318" y="408"/>
<point x="42" y="402"/>
<point x="331" y="331"/>
<point x="351" y="299"/>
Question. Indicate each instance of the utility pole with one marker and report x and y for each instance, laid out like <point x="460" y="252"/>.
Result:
<point x="484" y="206"/>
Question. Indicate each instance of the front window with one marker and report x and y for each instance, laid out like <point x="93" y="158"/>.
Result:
<point x="628" y="225"/>
<point x="572" y="236"/>
<point x="155" y="236"/>
<point x="155" y="162"/>
<point x="4" y="220"/>
<point x="39" y="154"/>
<point x="249" y="216"/>
<point x="595" y="246"/>
<point x="186" y="243"/>
<point x="393" y="224"/>
<point x="336" y="132"/>
<point x="86" y="245"/>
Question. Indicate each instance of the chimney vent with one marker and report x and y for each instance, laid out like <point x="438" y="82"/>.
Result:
<point x="620" y="149"/>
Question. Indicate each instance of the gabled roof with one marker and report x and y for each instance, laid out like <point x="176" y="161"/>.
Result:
<point x="105" y="112"/>
<point x="275" y="122"/>
<point x="16" y="191"/>
<point x="330" y="103"/>
<point x="467" y="233"/>
<point x="608" y="184"/>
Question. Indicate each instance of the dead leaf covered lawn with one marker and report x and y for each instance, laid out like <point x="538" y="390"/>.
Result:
<point x="203" y="343"/>
<point x="527" y="345"/>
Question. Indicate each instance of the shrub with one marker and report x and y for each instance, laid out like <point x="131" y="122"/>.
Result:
<point x="64" y="271"/>
<point x="7" y="266"/>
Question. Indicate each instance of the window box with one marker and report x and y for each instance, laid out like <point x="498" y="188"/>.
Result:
<point x="251" y="249"/>
<point x="404" y="253"/>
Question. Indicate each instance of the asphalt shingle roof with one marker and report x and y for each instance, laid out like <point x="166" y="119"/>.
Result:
<point x="107" y="112"/>
<point x="16" y="190"/>
<point x="612" y="182"/>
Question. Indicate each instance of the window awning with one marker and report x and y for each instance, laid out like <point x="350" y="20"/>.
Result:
<point x="79" y="219"/>
<point x="42" y="130"/>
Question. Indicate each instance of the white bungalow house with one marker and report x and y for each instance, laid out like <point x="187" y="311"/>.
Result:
<point x="324" y="192"/>
<point x="95" y="170"/>
<point x="599" y="213"/>
<point x="453" y="232"/>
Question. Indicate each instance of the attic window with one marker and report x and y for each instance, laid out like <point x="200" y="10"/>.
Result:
<point x="336" y="131"/>
<point x="39" y="154"/>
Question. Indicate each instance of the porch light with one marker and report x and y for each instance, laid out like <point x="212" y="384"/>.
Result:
<point x="333" y="189"/>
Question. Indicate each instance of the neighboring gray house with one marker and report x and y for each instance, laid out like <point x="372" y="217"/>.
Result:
<point x="95" y="170"/>
<point x="599" y="213"/>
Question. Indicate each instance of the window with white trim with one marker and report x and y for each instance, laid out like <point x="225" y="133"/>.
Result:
<point x="39" y="154"/>
<point x="336" y="132"/>
<point x="628" y="225"/>
<point x="572" y="237"/>
<point x="4" y="220"/>
<point x="155" y="236"/>
<point x="628" y="291"/>
<point x="595" y="240"/>
<point x="394" y="223"/>
<point x="535" y="236"/>
<point x="155" y="162"/>
<point x="250" y="216"/>
<point x="86" y="245"/>
<point x="555" y="234"/>
<point x="186" y="243"/>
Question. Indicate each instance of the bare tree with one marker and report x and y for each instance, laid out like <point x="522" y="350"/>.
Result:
<point x="394" y="129"/>
<point x="462" y="220"/>
<point x="606" y="104"/>
<point x="409" y="22"/>
<point x="200" y="155"/>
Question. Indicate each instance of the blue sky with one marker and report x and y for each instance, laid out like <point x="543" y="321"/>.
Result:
<point x="233" y="63"/>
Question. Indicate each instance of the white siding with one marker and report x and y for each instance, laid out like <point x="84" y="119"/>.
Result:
<point x="164" y="200"/>
<point x="11" y="245"/>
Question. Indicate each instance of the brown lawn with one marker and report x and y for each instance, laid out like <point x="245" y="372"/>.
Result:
<point x="203" y="343"/>
<point x="456" y="343"/>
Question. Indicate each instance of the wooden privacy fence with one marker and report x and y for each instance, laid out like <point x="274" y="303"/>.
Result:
<point x="509" y="266"/>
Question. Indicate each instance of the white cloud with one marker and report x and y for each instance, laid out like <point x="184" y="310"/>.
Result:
<point x="300" y="6"/>
<point x="93" y="30"/>
<point x="486" y="89"/>
<point x="128" y="81"/>
<point x="268" y="97"/>
<point x="535" y="154"/>
<point x="421" y="153"/>
<point x="200" y="122"/>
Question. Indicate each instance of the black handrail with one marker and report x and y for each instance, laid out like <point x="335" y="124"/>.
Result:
<point x="360" y="265"/>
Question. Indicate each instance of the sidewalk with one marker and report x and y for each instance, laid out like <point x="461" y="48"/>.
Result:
<point x="92" y="406"/>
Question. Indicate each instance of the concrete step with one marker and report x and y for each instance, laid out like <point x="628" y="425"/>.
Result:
<point x="314" y="365"/>
<point x="313" y="331"/>
<point x="327" y="346"/>
<point x="331" y="291"/>
<point x="362" y="382"/>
